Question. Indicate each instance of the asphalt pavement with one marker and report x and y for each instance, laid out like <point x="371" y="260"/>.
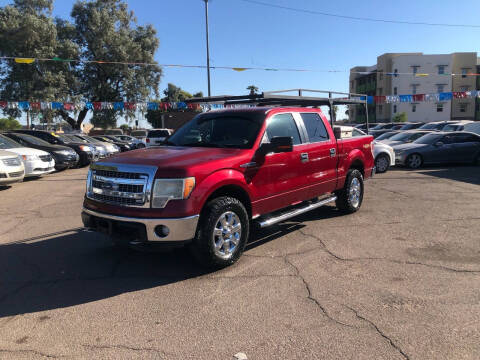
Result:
<point x="399" y="279"/>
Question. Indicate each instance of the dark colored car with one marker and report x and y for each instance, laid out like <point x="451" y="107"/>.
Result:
<point x="85" y="152"/>
<point x="363" y="127"/>
<point x="435" y="125"/>
<point x="403" y="137"/>
<point x="411" y="126"/>
<point x="439" y="147"/>
<point x="387" y="135"/>
<point x="64" y="156"/>
<point x="130" y="145"/>
<point x="121" y="144"/>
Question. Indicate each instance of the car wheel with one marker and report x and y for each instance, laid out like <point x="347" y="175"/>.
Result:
<point x="382" y="163"/>
<point x="140" y="146"/>
<point x="349" y="199"/>
<point x="414" y="161"/>
<point x="222" y="233"/>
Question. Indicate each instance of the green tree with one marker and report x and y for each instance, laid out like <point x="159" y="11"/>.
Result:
<point x="124" y="127"/>
<point x="402" y="117"/>
<point x="253" y="89"/>
<point x="9" y="124"/>
<point x="176" y="94"/>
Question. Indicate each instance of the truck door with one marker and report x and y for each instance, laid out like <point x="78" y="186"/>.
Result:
<point x="320" y="154"/>
<point x="278" y="177"/>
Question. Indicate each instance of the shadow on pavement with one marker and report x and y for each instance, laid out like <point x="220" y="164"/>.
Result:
<point x="76" y="267"/>
<point x="467" y="174"/>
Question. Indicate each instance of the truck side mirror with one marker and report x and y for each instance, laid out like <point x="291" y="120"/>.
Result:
<point x="277" y="144"/>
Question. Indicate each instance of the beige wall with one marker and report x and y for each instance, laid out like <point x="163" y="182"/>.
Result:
<point x="464" y="61"/>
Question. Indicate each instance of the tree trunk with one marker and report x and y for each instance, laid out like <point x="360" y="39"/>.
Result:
<point x="75" y="124"/>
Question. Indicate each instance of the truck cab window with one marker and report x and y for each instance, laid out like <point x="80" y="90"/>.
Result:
<point x="283" y="125"/>
<point x="315" y="127"/>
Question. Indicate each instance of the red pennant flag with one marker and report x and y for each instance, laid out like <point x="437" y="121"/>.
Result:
<point x="379" y="99"/>
<point x="418" y="97"/>
<point x="3" y="104"/>
<point x="459" y="94"/>
<point x="97" y="105"/>
<point x="35" y="106"/>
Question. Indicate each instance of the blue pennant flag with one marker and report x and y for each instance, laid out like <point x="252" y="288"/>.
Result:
<point x="118" y="105"/>
<point x="152" y="106"/>
<point x="445" y="96"/>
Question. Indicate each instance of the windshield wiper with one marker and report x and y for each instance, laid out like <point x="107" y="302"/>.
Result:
<point x="202" y="145"/>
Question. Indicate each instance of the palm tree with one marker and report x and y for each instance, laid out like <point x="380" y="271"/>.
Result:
<point x="253" y="89"/>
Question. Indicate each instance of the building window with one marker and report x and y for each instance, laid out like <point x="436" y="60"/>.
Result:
<point x="394" y="109"/>
<point x="440" y="88"/>
<point x="463" y="107"/>
<point x="464" y="72"/>
<point x="414" y="108"/>
<point x="395" y="72"/>
<point x="439" y="107"/>
<point x="380" y="109"/>
<point x="395" y="90"/>
<point x="441" y="69"/>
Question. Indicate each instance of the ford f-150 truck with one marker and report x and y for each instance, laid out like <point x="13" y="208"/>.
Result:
<point x="224" y="173"/>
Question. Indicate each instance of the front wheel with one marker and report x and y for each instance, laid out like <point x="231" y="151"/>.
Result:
<point x="382" y="163"/>
<point x="414" y="161"/>
<point x="140" y="146"/>
<point x="349" y="199"/>
<point x="222" y="233"/>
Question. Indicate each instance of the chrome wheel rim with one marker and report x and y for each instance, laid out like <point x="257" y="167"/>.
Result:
<point x="355" y="192"/>
<point x="227" y="234"/>
<point x="415" y="161"/>
<point x="382" y="164"/>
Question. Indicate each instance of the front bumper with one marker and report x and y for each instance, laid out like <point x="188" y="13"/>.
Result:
<point x="38" y="167"/>
<point x="400" y="159"/>
<point x="141" y="230"/>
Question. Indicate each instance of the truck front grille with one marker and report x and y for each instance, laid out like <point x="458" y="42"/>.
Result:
<point x="121" y="187"/>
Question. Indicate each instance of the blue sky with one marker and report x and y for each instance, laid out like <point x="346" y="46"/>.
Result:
<point x="243" y="35"/>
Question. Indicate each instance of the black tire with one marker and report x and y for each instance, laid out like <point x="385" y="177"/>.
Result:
<point x="346" y="202"/>
<point x="203" y="246"/>
<point x="140" y="146"/>
<point x="414" y="161"/>
<point x="382" y="163"/>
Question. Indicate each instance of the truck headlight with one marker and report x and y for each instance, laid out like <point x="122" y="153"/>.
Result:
<point x="165" y="190"/>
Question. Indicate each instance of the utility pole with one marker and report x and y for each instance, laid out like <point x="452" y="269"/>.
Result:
<point x="208" y="47"/>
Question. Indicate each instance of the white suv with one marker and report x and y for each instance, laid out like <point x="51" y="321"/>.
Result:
<point x="156" y="137"/>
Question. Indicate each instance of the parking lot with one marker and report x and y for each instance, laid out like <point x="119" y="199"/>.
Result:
<point x="397" y="280"/>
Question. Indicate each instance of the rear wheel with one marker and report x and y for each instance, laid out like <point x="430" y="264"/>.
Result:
<point x="349" y="199"/>
<point x="382" y="163"/>
<point x="414" y="161"/>
<point x="222" y="233"/>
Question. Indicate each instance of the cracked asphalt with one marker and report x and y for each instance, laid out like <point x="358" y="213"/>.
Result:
<point x="400" y="279"/>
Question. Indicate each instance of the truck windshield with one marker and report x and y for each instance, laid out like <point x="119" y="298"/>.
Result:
<point x="221" y="131"/>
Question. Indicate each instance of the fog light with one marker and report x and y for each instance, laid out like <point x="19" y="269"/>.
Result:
<point x="162" y="231"/>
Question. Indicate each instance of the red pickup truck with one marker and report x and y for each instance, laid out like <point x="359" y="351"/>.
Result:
<point x="222" y="174"/>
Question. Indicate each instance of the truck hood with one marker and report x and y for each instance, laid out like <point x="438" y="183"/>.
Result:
<point x="181" y="158"/>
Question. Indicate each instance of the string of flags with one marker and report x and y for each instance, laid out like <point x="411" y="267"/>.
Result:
<point x="417" y="98"/>
<point x="29" y="60"/>
<point x="106" y="105"/>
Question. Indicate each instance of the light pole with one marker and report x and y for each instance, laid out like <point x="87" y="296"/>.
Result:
<point x="208" y="47"/>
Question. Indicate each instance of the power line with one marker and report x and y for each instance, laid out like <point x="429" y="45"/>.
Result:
<point x="313" y="12"/>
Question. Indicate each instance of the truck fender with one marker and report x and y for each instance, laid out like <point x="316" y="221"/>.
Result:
<point x="355" y="158"/>
<point x="219" y="179"/>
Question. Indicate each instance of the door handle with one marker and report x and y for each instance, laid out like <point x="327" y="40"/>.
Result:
<point x="304" y="157"/>
<point x="333" y="151"/>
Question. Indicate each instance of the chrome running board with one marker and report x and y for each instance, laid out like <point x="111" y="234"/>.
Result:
<point x="298" y="211"/>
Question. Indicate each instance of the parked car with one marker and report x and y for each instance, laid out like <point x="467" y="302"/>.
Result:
<point x="249" y="165"/>
<point x="36" y="162"/>
<point x="411" y="126"/>
<point x="64" y="156"/>
<point x="437" y="125"/>
<point x="123" y="145"/>
<point x="156" y="137"/>
<point x="87" y="152"/>
<point x="458" y="126"/>
<point x="11" y="168"/>
<point x="404" y="137"/>
<point x="104" y="148"/>
<point x="441" y="147"/>
<point x="363" y="127"/>
<point x="114" y="132"/>
<point x="384" y="155"/>
<point x="84" y="152"/>
<point x="140" y="135"/>
<point x="138" y="144"/>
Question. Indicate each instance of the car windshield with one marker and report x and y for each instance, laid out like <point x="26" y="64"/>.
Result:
<point x="452" y="128"/>
<point x="402" y="136"/>
<point x="220" y="131"/>
<point x="32" y="140"/>
<point x="428" y="139"/>
<point x="378" y="127"/>
<point x="387" y="135"/>
<point x="430" y="126"/>
<point x="6" y="143"/>
<point x="65" y="138"/>
<point x="408" y="126"/>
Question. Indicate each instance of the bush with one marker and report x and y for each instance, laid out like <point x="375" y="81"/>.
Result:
<point x="402" y="117"/>
<point x="9" y="124"/>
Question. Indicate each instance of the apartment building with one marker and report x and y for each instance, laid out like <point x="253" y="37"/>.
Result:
<point x="389" y="78"/>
